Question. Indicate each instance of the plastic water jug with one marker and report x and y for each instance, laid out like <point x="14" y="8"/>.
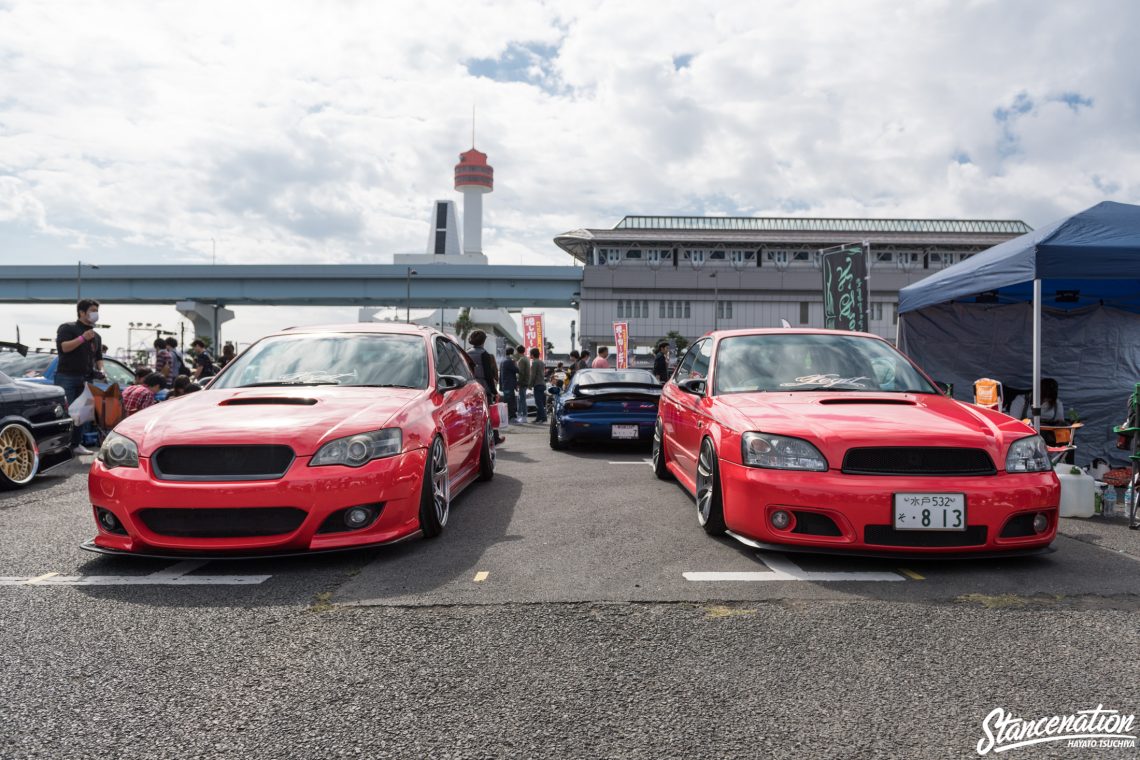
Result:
<point x="1077" y="491"/>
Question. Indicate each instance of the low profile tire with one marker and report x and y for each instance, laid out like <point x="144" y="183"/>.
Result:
<point x="435" y="494"/>
<point x="19" y="460"/>
<point x="487" y="455"/>
<point x="710" y="506"/>
<point x="659" y="462"/>
<point x="556" y="441"/>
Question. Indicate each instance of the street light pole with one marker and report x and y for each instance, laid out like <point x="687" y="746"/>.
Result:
<point x="408" y="297"/>
<point x="79" y="279"/>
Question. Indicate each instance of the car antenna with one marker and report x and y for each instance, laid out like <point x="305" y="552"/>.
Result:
<point x="785" y="323"/>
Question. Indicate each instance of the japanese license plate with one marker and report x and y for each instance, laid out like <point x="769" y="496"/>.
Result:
<point x="624" y="431"/>
<point x="930" y="511"/>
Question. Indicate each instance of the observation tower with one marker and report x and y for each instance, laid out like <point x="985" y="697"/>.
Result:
<point x="473" y="177"/>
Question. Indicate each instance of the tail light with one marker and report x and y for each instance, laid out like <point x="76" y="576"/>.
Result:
<point x="578" y="403"/>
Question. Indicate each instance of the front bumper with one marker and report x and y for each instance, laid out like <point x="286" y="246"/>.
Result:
<point x="861" y="508"/>
<point x="394" y="482"/>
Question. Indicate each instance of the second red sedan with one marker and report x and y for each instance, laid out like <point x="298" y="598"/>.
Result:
<point x="312" y="439"/>
<point x="832" y="441"/>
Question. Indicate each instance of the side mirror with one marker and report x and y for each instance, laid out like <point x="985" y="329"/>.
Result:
<point x="554" y="390"/>
<point x="445" y="383"/>
<point x="694" y="385"/>
<point x="946" y="388"/>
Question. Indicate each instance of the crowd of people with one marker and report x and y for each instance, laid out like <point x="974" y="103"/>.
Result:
<point x="174" y="374"/>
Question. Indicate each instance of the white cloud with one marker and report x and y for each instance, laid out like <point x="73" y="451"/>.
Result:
<point x="318" y="132"/>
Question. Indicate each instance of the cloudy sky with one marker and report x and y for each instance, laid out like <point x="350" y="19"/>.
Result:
<point x="320" y="133"/>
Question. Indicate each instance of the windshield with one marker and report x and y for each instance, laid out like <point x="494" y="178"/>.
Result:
<point x="32" y="365"/>
<point x="602" y="377"/>
<point x="361" y="359"/>
<point x="806" y="362"/>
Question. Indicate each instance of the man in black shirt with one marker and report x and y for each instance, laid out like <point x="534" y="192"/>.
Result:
<point x="204" y="367"/>
<point x="80" y="357"/>
<point x="661" y="362"/>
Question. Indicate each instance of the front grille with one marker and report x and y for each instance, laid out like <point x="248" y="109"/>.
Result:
<point x="885" y="535"/>
<point x="915" y="460"/>
<point x="222" y="462"/>
<point x="815" y="524"/>
<point x="223" y="523"/>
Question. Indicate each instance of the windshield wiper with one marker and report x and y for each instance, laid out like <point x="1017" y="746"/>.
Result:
<point x="379" y="385"/>
<point x="288" y="382"/>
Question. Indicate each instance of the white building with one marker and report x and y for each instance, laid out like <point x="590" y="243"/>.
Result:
<point x="694" y="274"/>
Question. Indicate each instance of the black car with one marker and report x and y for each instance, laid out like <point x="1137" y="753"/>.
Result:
<point x="35" y="430"/>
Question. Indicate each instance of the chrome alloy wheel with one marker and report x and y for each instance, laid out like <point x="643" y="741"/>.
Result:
<point x="19" y="457"/>
<point x="440" y="483"/>
<point x="706" y="483"/>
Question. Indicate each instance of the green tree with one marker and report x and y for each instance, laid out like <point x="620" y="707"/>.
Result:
<point x="678" y="340"/>
<point x="464" y="325"/>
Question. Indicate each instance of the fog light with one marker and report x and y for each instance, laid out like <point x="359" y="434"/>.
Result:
<point x="1040" y="522"/>
<point x="357" y="517"/>
<point x="108" y="520"/>
<point x="781" y="520"/>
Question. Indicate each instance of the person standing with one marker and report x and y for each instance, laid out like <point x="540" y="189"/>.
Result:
<point x="509" y="372"/>
<point x="538" y="384"/>
<point x="485" y="370"/>
<point x="180" y="366"/>
<point x="584" y="362"/>
<point x="80" y="359"/>
<point x="524" y="381"/>
<point x="204" y="367"/>
<point x="602" y="362"/>
<point x="227" y="356"/>
<point x="164" y="362"/>
<point x="661" y="362"/>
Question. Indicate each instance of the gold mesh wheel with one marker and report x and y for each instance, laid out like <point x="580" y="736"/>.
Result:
<point x="19" y="459"/>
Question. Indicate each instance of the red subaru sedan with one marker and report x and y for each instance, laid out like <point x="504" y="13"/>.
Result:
<point x="312" y="439"/>
<point x="828" y="441"/>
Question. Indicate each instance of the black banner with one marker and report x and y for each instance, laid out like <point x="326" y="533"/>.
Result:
<point x="846" y="292"/>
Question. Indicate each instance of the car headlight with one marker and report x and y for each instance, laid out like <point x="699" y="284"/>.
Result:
<point x="779" y="452"/>
<point x="358" y="450"/>
<point x="1028" y="455"/>
<point x="118" y="451"/>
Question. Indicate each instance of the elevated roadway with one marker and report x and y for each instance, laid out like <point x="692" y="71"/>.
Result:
<point x="432" y="285"/>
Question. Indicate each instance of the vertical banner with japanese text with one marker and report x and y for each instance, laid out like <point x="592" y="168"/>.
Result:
<point x="621" y="344"/>
<point x="846" y="290"/>
<point x="534" y="336"/>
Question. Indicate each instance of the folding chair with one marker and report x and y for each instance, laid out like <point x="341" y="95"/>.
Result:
<point x="988" y="393"/>
<point x="109" y="410"/>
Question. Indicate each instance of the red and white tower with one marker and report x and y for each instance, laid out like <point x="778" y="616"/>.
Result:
<point x="473" y="177"/>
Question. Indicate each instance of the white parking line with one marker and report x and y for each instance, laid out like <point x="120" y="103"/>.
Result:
<point x="175" y="575"/>
<point x="783" y="569"/>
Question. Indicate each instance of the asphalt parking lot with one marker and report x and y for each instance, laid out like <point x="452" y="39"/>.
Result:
<point x="573" y="608"/>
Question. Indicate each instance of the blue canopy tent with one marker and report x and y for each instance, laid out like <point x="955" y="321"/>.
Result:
<point x="1078" y="280"/>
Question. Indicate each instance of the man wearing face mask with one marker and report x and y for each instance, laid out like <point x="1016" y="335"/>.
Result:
<point x="80" y="357"/>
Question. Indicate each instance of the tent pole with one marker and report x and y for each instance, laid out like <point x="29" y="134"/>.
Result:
<point x="1037" y="354"/>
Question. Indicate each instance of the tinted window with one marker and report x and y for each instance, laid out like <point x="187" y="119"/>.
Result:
<point x="117" y="373"/>
<point x="595" y="377"/>
<point x="444" y="359"/>
<point x="700" y="366"/>
<point x="687" y="363"/>
<point x="813" y="363"/>
<point x="459" y="361"/>
<point x="334" y="358"/>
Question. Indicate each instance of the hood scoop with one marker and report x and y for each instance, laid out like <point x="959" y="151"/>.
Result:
<point x="268" y="401"/>
<point x="869" y="401"/>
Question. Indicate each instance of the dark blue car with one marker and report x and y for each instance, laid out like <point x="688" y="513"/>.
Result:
<point x="605" y="405"/>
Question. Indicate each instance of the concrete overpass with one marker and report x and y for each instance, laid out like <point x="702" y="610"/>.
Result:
<point x="201" y="292"/>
